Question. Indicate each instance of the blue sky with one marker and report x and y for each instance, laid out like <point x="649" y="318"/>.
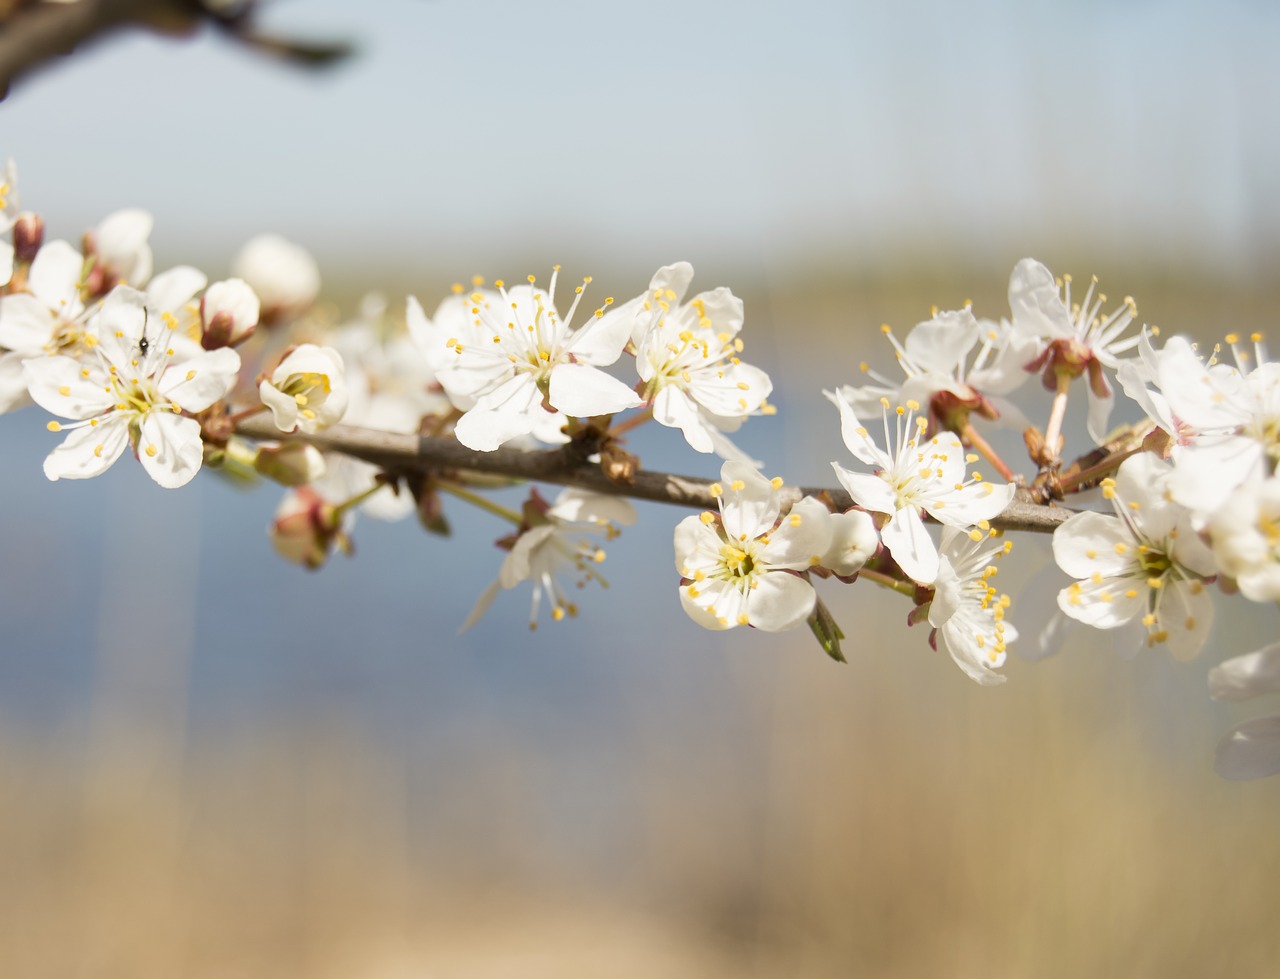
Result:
<point x="469" y="134"/>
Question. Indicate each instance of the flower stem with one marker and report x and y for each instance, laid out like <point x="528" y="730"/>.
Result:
<point x="1053" y="431"/>
<point x="634" y="422"/>
<point x="240" y="416"/>
<point x="1073" y="481"/>
<point x="359" y="498"/>
<point x="475" y="499"/>
<point x="970" y="435"/>
<point x="907" y="588"/>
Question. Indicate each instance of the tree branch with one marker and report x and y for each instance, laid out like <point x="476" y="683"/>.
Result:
<point x="415" y="453"/>
<point x="34" y="34"/>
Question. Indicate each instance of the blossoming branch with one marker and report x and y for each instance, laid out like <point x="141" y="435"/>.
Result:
<point x="393" y="415"/>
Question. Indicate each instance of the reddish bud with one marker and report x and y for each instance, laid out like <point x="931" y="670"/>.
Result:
<point x="28" y="236"/>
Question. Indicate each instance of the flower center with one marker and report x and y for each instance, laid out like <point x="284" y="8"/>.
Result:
<point x="1154" y="564"/>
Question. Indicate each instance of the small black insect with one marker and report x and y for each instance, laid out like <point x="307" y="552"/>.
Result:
<point x="144" y="344"/>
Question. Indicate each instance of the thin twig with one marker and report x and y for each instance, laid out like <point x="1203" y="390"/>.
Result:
<point x="418" y="453"/>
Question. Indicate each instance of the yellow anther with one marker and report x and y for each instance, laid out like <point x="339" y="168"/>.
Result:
<point x="776" y="482"/>
<point x="54" y="427"/>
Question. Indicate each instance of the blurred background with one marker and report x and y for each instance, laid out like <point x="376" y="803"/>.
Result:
<point x="213" y="764"/>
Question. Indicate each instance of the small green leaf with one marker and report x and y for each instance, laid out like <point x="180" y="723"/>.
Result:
<point x="826" y="631"/>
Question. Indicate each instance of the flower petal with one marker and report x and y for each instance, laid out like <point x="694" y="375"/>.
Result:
<point x="1250" y="750"/>
<point x="169" y="448"/>
<point x="779" y="601"/>
<point x="88" y="451"/>
<point x="911" y="546"/>
<point x="582" y="391"/>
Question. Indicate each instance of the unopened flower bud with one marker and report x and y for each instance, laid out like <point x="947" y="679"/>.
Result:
<point x="284" y="276"/>
<point x="307" y="528"/>
<point x="28" y="236"/>
<point x="853" y="542"/>
<point x="119" y="245"/>
<point x="229" y="311"/>
<point x="289" y="463"/>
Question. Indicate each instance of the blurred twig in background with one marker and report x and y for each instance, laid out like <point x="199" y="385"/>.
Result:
<point x="34" y="33"/>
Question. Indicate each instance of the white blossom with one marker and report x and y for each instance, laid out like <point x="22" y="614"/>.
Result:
<point x="1146" y="562"/>
<point x="517" y="359"/>
<point x="966" y="610"/>
<point x="9" y="208"/>
<point x="48" y="318"/>
<point x="952" y="360"/>
<point x="916" y="474"/>
<point x="1227" y="421"/>
<point x="687" y="357"/>
<point x="557" y="544"/>
<point x="1245" y="533"/>
<point x="129" y="388"/>
<point x="308" y="391"/>
<point x="739" y="566"/>
<point x="1077" y="338"/>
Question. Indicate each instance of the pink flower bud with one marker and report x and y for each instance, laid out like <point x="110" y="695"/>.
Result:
<point x="307" y="528"/>
<point x="28" y="236"/>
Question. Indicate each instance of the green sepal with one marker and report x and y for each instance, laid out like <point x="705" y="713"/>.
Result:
<point x="826" y="631"/>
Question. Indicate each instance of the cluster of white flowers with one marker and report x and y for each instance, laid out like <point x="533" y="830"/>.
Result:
<point x="173" y="367"/>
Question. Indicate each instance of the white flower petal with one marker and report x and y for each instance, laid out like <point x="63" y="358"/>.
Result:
<point x="1088" y="543"/>
<point x="197" y="383"/>
<point x="779" y="601"/>
<point x="59" y="385"/>
<point x="178" y="451"/>
<point x="911" y="546"/>
<point x="869" y="491"/>
<point x="582" y="391"/>
<point x="88" y="451"/>
<point x="1250" y="750"/>
<point x="1248" y="676"/>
